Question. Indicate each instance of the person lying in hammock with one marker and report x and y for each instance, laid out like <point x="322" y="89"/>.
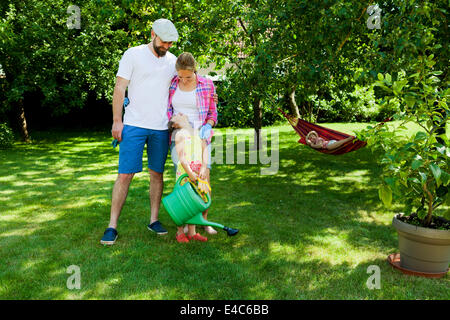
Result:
<point x="314" y="141"/>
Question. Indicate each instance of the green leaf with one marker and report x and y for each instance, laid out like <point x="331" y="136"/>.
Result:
<point x="423" y="177"/>
<point x="385" y="88"/>
<point x="398" y="86"/>
<point x="445" y="177"/>
<point x="441" y="149"/>
<point x="408" y="209"/>
<point x="409" y="147"/>
<point x="380" y="77"/>
<point x="385" y="194"/>
<point x="416" y="164"/>
<point x="410" y="101"/>
<point x="420" y="136"/>
<point x="436" y="172"/>
<point x="388" y="78"/>
<point x="391" y="182"/>
<point x="421" y="213"/>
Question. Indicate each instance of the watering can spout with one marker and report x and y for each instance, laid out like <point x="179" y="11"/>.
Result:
<point x="199" y="220"/>
<point x="230" y="231"/>
<point x="185" y="206"/>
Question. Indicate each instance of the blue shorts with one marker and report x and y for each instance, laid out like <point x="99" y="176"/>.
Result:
<point x="174" y="156"/>
<point x="131" y="149"/>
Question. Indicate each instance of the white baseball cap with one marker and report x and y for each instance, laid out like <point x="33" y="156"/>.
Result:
<point x="165" y="30"/>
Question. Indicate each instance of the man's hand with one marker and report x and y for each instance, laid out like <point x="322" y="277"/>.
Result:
<point x="118" y="104"/>
<point x="216" y="98"/>
<point x="116" y="131"/>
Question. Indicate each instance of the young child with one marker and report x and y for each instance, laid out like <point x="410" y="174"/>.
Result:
<point x="193" y="159"/>
<point x="314" y="141"/>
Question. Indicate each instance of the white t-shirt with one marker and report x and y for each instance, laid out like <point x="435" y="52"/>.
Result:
<point x="148" y="89"/>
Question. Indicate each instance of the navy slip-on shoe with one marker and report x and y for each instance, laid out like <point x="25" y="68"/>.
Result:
<point x="109" y="237"/>
<point x="157" y="227"/>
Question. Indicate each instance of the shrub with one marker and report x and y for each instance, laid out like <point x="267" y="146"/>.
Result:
<point x="236" y="111"/>
<point x="341" y="106"/>
<point x="6" y="136"/>
<point x="415" y="170"/>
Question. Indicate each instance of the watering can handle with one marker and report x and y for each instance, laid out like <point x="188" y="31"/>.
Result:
<point x="204" y="182"/>
<point x="177" y="184"/>
<point x="184" y="175"/>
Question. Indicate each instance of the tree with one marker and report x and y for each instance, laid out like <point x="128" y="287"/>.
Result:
<point x="40" y="51"/>
<point x="283" y="46"/>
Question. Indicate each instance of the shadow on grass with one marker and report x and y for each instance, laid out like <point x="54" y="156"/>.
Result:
<point x="55" y="200"/>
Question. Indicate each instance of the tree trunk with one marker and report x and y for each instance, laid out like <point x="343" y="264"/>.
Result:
<point x="23" y="122"/>
<point x="257" y="121"/>
<point x="289" y="101"/>
<point x="293" y="104"/>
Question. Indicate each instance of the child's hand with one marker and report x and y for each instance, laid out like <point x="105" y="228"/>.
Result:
<point x="203" y="187"/>
<point x="202" y="173"/>
<point x="193" y="176"/>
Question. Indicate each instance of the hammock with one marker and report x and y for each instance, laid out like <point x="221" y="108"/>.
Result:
<point x="303" y="127"/>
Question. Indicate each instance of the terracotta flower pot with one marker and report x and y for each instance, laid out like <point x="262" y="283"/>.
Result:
<point x="422" y="249"/>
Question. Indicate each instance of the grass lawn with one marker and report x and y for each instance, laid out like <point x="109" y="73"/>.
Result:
<point x="308" y="232"/>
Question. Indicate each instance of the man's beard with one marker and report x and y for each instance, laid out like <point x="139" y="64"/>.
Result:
<point x="160" y="52"/>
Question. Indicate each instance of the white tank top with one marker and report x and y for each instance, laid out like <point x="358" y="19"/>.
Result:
<point x="186" y="102"/>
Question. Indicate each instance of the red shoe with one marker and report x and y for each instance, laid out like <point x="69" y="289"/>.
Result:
<point x="181" y="238"/>
<point x="198" y="237"/>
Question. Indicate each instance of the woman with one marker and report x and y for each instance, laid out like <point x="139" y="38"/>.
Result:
<point x="193" y="96"/>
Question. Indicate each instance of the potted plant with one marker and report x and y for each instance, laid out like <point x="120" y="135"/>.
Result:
<point x="416" y="168"/>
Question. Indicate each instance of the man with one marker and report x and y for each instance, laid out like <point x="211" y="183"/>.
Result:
<point x="147" y="71"/>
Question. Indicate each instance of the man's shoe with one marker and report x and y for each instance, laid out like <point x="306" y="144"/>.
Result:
<point x="157" y="227"/>
<point x="109" y="237"/>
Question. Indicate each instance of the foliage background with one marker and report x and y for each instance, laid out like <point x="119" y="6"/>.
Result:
<point x="321" y="51"/>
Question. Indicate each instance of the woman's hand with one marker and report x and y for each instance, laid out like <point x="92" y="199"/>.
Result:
<point x="205" y="131"/>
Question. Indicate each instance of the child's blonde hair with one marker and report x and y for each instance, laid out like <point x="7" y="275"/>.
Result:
<point x="310" y="134"/>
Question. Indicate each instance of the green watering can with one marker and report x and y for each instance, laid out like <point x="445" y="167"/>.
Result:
<point x="186" y="203"/>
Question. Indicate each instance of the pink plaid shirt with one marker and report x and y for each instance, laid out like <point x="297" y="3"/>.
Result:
<point x="207" y="109"/>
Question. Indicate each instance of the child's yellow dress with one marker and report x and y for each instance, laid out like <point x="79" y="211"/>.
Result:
<point x="192" y="153"/>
